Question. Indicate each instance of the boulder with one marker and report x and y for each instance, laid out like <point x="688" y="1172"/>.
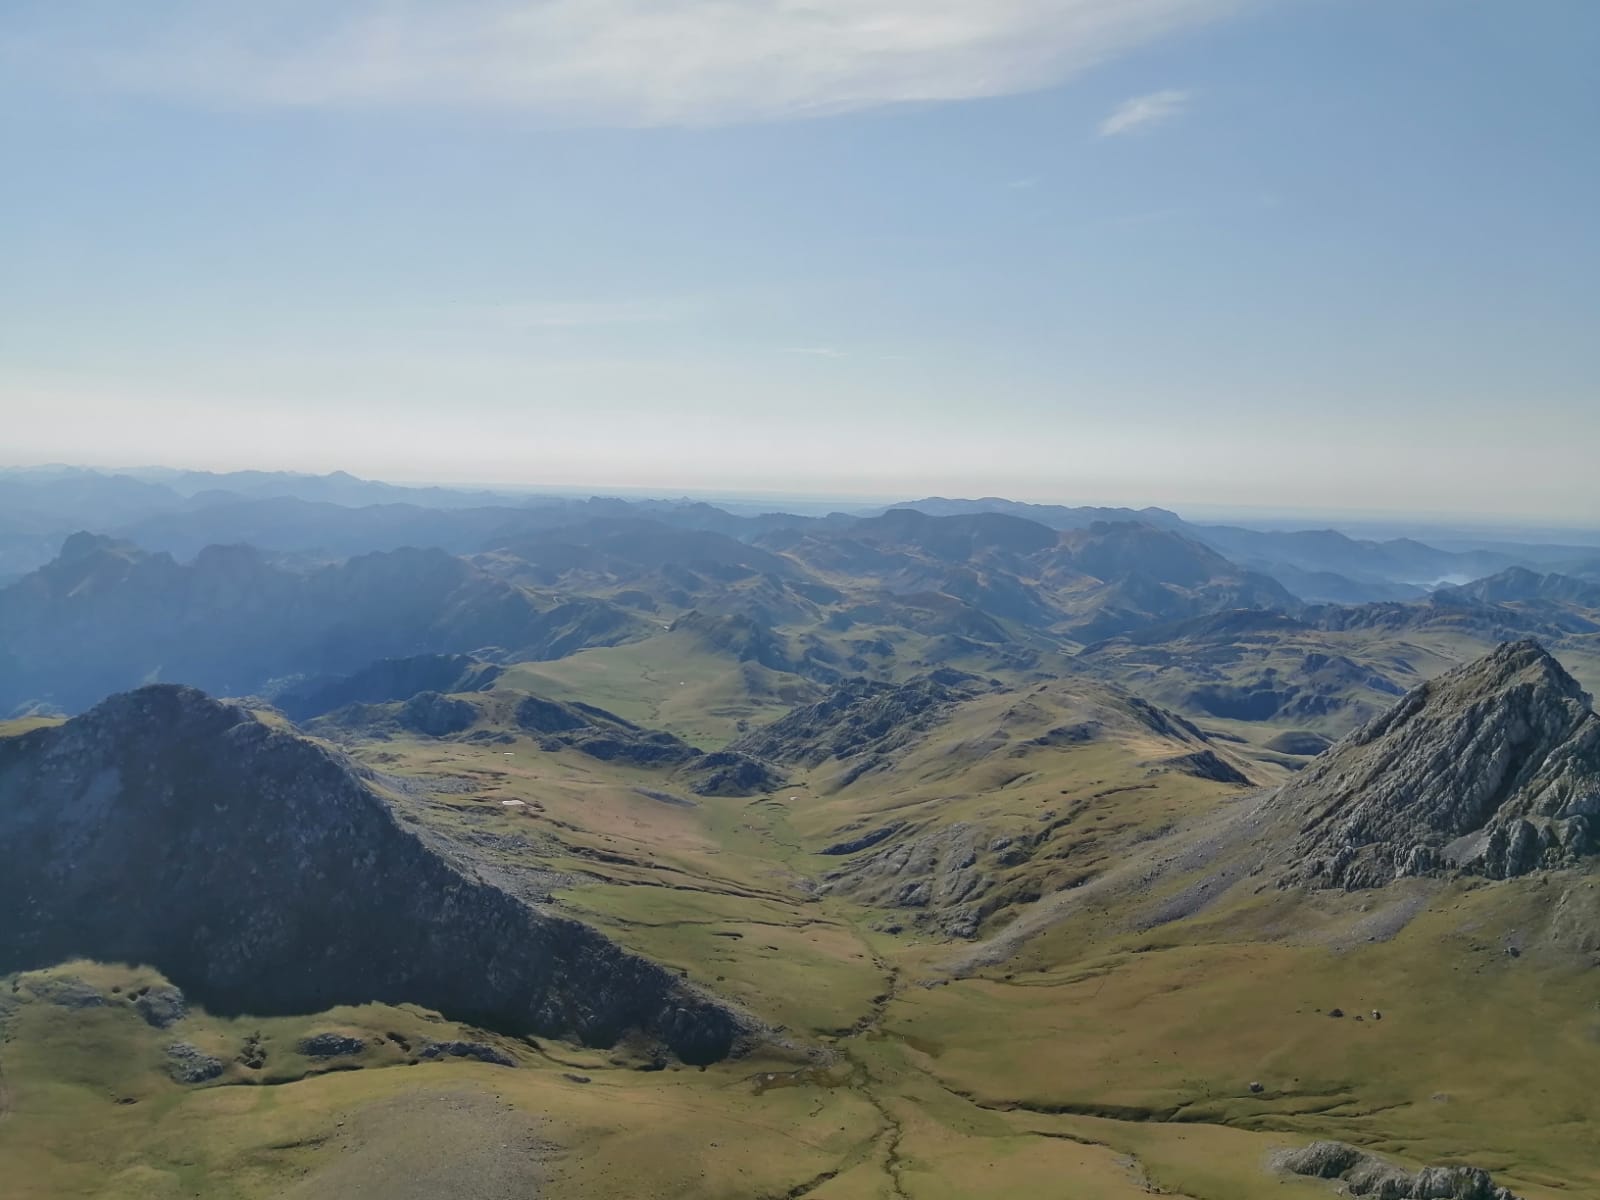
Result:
<point x="480" y="1051"/>
<point x="161" y="1006"/>
<point x="187" y="1063"/>
<point x="331" y="1045"/>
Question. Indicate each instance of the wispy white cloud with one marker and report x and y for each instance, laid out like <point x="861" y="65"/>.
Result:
<point x="630" y="62"/>
<point x="1144" y="112"/>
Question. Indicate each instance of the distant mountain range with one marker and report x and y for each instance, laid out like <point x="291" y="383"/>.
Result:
<point x="338" y="515"/>
<point x="1317" y="565"/>
<point x="106" y="615"/>
<point x="255" y="583"/>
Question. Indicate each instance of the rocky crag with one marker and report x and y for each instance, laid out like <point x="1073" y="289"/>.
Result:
<point x="859" y="721"/>
<point x="1366" y="1174"/>
<point x="262" y="874"/>
<point x="1491" y="769"/>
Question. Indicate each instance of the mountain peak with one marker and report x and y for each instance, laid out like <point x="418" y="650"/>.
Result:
<point x="82" y="544"/>
<point x="1526" y="657"/>
<point x="1491" y="769"/>
<point x="169" y="828"/>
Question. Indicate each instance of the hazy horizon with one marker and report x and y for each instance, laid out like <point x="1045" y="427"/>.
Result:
<point x="1218" y="254"/>
<point x="1372" y="522"/>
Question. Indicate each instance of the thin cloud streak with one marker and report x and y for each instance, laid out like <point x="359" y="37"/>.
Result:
<point x="1144" y="112"/>
<point x="616" y="62"/>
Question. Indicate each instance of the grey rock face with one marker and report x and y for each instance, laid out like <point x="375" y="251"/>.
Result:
<point x="1491" y="769"/>
<point x="1322" y="1160"/>
<point x="478" y="1051"/>
<point x="67" y="992"/>
<point x="259" y="873"/>
<point x="331" y="1045"/>
<point x="161" y="1006"/>
<point x="1368" y="1175"/>
<point x="1380" y="1180"/>
<point x="858" y="719"/>
<point x="941" y="874"/>
<point x="187" y="1063"/>
<point x="727" y="773"/>
<point x="435" y="715"/>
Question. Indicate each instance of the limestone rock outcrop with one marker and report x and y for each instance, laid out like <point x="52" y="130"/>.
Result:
<point x="1491" y="769"/>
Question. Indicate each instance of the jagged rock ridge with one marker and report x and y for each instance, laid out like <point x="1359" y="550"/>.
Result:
<point x="859" y="717"/>
<point x="1491" y="769"/>
<point x="1369" y="1175"/>
<point x="261" y="874"/>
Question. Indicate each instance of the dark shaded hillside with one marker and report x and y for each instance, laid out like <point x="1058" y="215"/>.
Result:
<point x="106" y="616"/>
<point x="261" y="875"/>
<point x="390" y="679"/>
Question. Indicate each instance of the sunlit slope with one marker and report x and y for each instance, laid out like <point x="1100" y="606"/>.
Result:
<point x="1007" y="941"/>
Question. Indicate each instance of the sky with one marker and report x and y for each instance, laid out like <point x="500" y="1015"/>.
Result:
<point x="1295" y="254"/>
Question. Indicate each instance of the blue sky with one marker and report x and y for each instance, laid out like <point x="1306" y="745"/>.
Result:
<point x="1293" y="254"/>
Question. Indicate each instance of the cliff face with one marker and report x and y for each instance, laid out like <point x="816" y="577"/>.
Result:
<point x="1492" y="769"/>
<point x="262" y="875"/>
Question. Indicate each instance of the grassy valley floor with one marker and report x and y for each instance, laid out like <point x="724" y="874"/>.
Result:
<point x="1100" y="1053"/>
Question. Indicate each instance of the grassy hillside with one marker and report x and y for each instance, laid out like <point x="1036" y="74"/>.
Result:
<point x="1092" y="1027"/>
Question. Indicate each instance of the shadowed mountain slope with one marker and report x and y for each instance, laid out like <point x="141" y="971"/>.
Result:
<point x="105" y="616"/>
<point x="262" y="875"/>
<point x="391" y="679"/>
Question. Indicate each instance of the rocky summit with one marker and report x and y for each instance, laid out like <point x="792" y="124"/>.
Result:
<point x="262" y="874"/>
<point x="1490" y="769"/>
